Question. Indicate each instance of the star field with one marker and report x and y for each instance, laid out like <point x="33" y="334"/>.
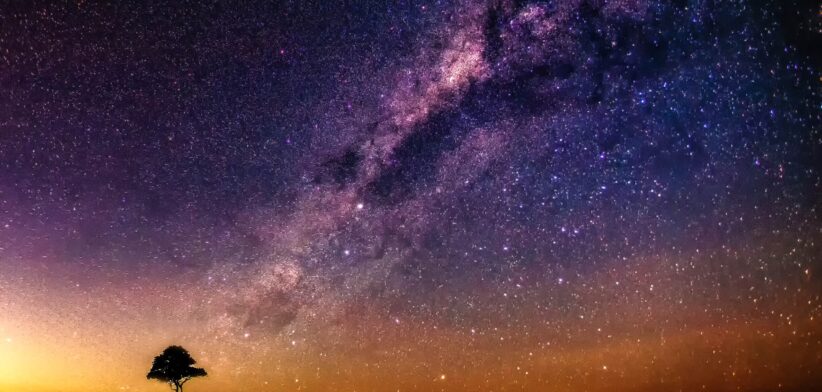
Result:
<point x="415" y="196"/>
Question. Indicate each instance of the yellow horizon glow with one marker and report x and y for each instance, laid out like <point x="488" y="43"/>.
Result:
<point x="56" y="338"/>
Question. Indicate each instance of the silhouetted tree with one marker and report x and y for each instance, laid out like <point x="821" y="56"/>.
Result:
<point x="174" y="366"/>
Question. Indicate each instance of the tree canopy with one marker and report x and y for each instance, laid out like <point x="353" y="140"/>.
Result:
<point x="174" y="366"/>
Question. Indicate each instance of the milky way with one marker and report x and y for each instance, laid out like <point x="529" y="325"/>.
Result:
<point x="462" y="196"/>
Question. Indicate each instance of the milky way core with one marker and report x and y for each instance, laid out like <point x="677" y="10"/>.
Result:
<point x="567" y="195"/>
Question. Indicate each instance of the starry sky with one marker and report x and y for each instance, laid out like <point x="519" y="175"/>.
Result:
<point x="567" y="195"/>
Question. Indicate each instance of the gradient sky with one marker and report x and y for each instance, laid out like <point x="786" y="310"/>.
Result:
<point x="578" y="195"/>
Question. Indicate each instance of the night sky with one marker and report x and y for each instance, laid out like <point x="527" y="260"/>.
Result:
<point x="577" y="195"/>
